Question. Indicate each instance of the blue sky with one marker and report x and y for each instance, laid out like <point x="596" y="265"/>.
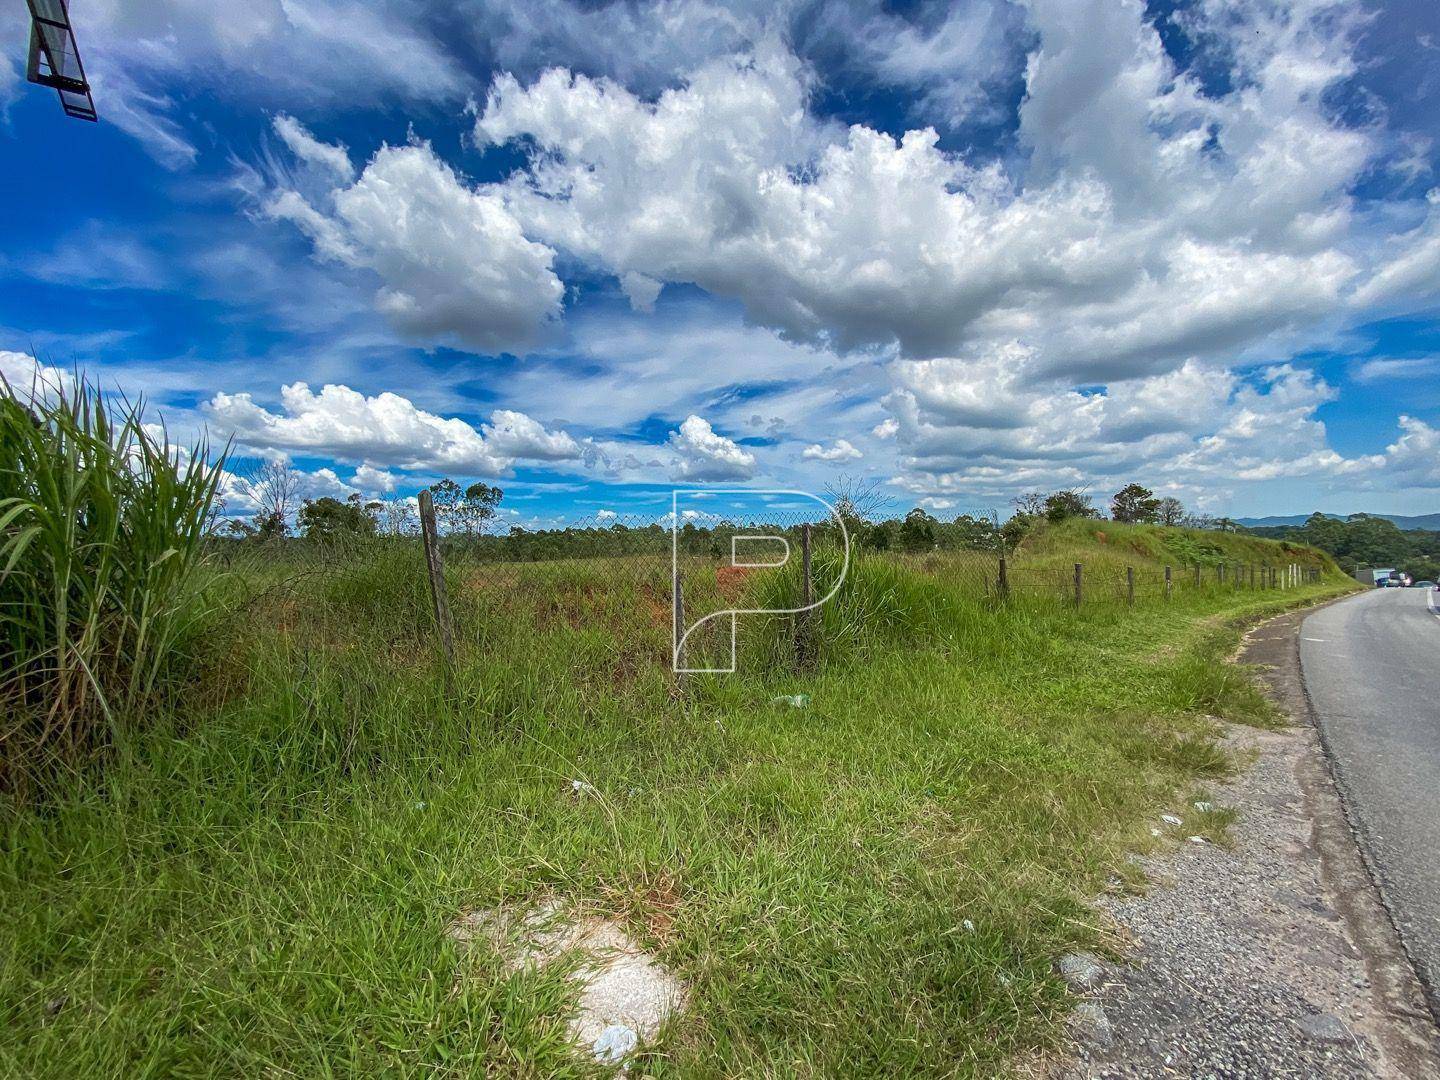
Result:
<point x="593" y="252"/>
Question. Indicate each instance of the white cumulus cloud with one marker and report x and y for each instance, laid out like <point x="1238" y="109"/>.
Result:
<point x="452" y="261"/>
<point x="703" y="454"/>
<point x="841" y="451"/>
<point x="386" y="429"/>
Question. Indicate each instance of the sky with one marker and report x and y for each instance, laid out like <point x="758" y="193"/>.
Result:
<point x="593" y="252"/>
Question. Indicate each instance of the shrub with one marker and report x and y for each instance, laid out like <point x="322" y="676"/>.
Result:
<point x="101" y="526"/>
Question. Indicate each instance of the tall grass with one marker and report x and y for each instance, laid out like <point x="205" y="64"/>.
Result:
<point x="101" y="530"/>
<point x="875" y="883"/>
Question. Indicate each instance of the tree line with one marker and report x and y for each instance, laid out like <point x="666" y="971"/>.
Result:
<point x="273" y="488"/>
<point x="466" y="514"/>
<point x="1362" y="541"/>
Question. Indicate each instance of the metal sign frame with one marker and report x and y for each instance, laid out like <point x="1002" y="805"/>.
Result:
<point x="54" y="59"/>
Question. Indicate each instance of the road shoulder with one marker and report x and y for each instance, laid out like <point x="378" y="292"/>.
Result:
<point x="1274" y="957"/>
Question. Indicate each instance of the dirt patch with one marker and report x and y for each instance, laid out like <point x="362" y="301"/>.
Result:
<point x="730" y="581"/>
<point x="625" y="994"/>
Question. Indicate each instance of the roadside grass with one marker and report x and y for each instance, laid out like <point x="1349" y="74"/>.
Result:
<point x="264" y="889"/>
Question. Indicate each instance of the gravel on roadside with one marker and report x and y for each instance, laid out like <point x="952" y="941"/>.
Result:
<point x="1272" y="958"/>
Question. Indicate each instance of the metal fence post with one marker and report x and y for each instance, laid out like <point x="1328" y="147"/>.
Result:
<point x="802" y="626"/>
<point x="1130" y="585"/>
<point x="435" y="570"/>
<point x="677" y="599"/>
<point x="1168" y="583"/>
<point x="1079" y="594"/>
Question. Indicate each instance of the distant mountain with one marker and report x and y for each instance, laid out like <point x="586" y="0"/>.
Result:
<point x="1416" y="521"/>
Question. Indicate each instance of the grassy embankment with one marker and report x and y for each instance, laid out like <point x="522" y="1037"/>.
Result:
<point x="261" y="886"/>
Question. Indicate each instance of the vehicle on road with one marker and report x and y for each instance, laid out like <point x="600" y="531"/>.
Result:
<point x="1422" y="585"/>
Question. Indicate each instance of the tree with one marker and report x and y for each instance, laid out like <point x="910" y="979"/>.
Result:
<point x="478" y="505"/>
<point x="446" y="496"/>
<point x="1069" y="503"/>
<point x="328" y="518"/>
<point x="1198" y="520"/>
<point x="272" y="487"/>
<point x="1135" y="504"/>
<point x="917" y="531"/>
<point x="1171" y="511"/>
<point x="975" y="532"/>
<point x="466" y="510"/>
<point x="396" y="517"/>
<point x="1017" y="528"/>
<point x="1030" y="503"/>
<point x="1421" y="568"/>
<point x="857" y="501"/>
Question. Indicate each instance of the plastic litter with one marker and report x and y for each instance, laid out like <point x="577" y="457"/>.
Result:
<point x="614" y="1043"/>
<point x="1170" y="819"/>
<point x="798" y="701"/>
<point x="1204" y="807"/>
<point x="1198" y="840"/>
<point x="580" y="787"/>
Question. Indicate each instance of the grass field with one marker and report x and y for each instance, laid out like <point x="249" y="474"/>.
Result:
<point x="261" y="884"/>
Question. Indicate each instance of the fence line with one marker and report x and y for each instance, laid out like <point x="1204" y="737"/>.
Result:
<point x="610" y="569"/>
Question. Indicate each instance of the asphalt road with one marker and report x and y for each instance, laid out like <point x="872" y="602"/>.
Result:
<point x="1372" y="670"/>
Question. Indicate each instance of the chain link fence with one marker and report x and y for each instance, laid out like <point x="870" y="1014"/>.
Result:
<point x="639" y="586"/>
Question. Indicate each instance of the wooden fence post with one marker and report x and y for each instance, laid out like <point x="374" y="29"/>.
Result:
<point x="1252" y="575"/>
<point x="1197" y="575"/>
<point x="1168" y="583"/>
<point x="1004" y="580"/>
<point x="435" y="569"/>
<point x="1130" y="585"/>
<point x="1079" y="594"/>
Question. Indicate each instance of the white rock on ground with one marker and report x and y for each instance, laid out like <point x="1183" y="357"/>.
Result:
<point x="622" y="987"/>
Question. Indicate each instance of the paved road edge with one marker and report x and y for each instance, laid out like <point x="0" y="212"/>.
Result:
<point x="1273" y="646"/>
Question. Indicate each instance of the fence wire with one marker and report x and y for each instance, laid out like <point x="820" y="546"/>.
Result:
<point x="629" y="576"/>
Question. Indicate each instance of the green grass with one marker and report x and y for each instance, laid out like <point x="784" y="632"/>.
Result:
<point x="261" y="886"/>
